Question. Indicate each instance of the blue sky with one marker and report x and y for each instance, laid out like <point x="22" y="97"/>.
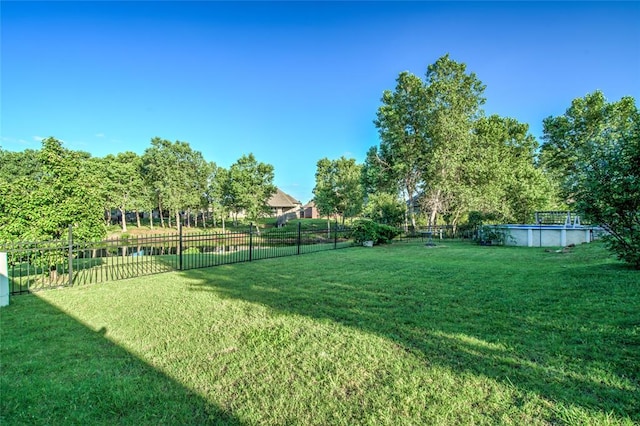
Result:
<point x="290" y="82"/>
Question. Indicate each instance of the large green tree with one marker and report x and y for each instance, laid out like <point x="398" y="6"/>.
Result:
<point x="426" y="132"/>
<point x="100" y="170"/>
<point x="214" y="195"/>
<point x="376" y="176"/>
<point x="502" y="171"/>
<point x="247" y="187"/>
<point x="438" y="148"/>
<point x="176" y="174"/>
<point x="124" y="182"/>
<point x="19" y="172"/>
<point x="15" y="165"/>
<point x="594" y="148"/>
<point x="454" y="98"/>
<point x="63" y="193"/>
<point x="404" y="146"/>
<point x="338" y="189"/>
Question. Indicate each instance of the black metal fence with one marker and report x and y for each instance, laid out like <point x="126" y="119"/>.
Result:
<point x="49" y="264"/>
<point x="436" y="232"/>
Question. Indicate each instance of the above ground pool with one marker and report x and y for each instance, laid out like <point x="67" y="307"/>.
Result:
<point x="548" y="235"/>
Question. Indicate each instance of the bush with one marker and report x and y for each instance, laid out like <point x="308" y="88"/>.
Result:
<point x="490" y="235"/>
<point x="368" y="230"/>
<point x="385" y="209"/>
<point x="364" y="230"/>
<point x="387" y="233"/>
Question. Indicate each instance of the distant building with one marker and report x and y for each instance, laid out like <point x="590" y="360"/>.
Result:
<point x="282" y="204"/>
<point x="310" y="211"/>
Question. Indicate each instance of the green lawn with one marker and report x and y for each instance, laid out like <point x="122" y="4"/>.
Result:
<point x="394" y="335"/>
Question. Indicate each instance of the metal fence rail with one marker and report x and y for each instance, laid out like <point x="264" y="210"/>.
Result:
<point x="437" y="232"/>
<point x="49" y="264"/>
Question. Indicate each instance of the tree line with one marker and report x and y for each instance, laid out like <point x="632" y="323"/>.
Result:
<point x="441" y="156"/>
<point x="442" y="159"/>
<point x="44" y="191"/>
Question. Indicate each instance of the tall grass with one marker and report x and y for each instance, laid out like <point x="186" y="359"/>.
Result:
<point x="399" y="334"/>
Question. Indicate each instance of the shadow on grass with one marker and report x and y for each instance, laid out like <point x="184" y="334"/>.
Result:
<point x="571" y="338"/>
<point x="55" y="370"/>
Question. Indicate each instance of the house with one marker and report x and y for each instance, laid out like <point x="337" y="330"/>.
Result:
<point x="310" y="211"/>
<point x="282" y="204"/>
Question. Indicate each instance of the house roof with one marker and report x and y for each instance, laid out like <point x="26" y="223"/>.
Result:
<point x="281" y="199"/>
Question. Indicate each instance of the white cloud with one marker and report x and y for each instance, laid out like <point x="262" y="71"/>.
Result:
<point x="99" y="135"/>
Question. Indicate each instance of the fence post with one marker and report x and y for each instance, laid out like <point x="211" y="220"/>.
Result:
<point x="250" y="241"/>
<point x="70" y="255"/>
<point x="4" y="280"/>
<point x="180" y="245"/>
<point x="335" y="235"/>
<point x="299" y="235"/>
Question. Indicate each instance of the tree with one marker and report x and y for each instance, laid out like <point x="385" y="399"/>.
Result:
<point x="144" y="200"/>
<point x="19" y="164"/>
<point x="43" y="206"/>
<point x="503" y="173"/>
<point x="338" y="189"/>
<point x="248" y="187"/>
<point x="401" y="123"/>
<point x="177" y="175"/>
<point x="65" y="195"/>
<point x="425" y="133"/>
<point x="18" y="173"/>
<point x="594" y="148"/>
<point x="453" y="101"/>
<point x="99" y="167"/>
<point x="385" y="208"/>
<point x="14" y="219"/>
<point x="124" y="182"/>
<point x="214" y="195"/>
<point x="375" y="176"/>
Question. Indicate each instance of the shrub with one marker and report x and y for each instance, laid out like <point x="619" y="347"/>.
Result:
<point x="387" y="233"/>
<point x="490" y="235"/>
<point x="364" y="230"/>
<point x="385" y="209"/>
<point x="368" y="230"/>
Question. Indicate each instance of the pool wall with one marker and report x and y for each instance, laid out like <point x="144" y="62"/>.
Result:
<point x="547" y="235"/>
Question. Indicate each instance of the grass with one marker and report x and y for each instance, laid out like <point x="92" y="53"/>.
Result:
<point x="398" y="334"/>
